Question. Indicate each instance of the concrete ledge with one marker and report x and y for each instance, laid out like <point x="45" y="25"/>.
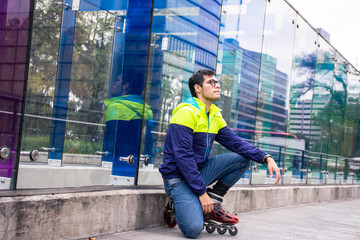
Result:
<point x="79" y="215"/>
<point x="45" y="176"/>
<point x="83" y="214"/>
<point x="245" y="199"/>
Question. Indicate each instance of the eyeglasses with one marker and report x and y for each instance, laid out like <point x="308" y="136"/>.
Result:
<point x="212" y="82"/>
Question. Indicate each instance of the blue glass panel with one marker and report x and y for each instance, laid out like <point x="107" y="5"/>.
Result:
<point x="95" y="5"/>
<point x="63" y="83"/>
<point x="125" y="107"/>
<point x="114" y="91"/>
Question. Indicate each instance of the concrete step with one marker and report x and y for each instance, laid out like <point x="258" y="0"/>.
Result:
<point x="98" y="211"/>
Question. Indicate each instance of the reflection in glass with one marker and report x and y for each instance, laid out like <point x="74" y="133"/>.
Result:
<point x="300" y="103"/>
<point x="275" y="71"/>
<point x="238" y="67"/>
<point x="90" y="75"/>
<point x="321" y="99"/>
<point x="184" y="37"/>
<point x="41" y="79"/>
<point x="124" y="114"/>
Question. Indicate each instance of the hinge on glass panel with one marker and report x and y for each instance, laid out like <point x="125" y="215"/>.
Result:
<point x="54" y="162"/>
<point x="124" y="26"/>
<point x="76" y="5"/>
<point x="333" y="59"/>
<point x="66" y="5"/>
<point x="119" y="180"/>
<point x="106" y="164"/>
<point x="154" y="45"/>
<point x="164" y="43"/>
<point x="116" y="28"/>
<point x="5" y="183"/>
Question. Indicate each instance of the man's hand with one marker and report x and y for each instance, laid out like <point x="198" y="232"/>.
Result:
<point x="206" y="203"/>
<point x="272" y="166"/>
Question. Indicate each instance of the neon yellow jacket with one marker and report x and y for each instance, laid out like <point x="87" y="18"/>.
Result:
<point x="126" y="108"/>
<point x="189" y="139"/>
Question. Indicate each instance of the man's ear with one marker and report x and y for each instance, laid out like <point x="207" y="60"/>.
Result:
<point x="197" y="88"/>
<point x="125" y="85"/>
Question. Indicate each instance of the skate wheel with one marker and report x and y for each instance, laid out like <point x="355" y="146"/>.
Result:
<point x="210" y="229"/>
<point x="233" y="231"/>
<point x="171" y="224"/>
<point x="221" y="230"/>
<point x="170" y="220"/>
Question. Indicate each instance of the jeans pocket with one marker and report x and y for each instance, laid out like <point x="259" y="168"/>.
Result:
<point x="169" y="185"/>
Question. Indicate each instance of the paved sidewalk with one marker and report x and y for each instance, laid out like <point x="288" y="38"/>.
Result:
<point x="332" y="220"/>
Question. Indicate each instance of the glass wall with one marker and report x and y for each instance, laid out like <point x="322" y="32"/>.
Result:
<point x="99" y="80"/>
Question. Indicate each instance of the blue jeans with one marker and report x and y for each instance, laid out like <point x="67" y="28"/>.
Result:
<point x="228" y="168"/>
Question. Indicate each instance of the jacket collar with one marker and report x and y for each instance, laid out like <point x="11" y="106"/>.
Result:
<point x="201" y="106"/>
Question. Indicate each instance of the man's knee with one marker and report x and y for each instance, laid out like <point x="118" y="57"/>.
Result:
<point x="194" y="230"/>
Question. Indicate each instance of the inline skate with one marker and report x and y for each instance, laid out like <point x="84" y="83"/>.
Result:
<point x="221" y="221"/>
<point x="169" y="214"/>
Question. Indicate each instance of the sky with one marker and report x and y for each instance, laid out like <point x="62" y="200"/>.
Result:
<point x="340" y="19"/>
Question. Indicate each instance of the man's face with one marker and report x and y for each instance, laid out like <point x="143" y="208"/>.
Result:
<point x="210" y="88"/>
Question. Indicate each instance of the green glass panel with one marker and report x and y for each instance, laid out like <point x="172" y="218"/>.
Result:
<point x="301" y="94"/>
<point x="320" y="111"/>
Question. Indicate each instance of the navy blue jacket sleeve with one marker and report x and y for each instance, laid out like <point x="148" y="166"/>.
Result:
<point x="182" y="145"/>
<point x="234" y="143"/>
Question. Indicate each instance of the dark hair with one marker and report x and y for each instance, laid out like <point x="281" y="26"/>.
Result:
<point x="198" y="78"/>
